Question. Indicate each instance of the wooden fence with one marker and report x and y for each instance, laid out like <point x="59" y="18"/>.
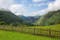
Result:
<point x="35" y="31"/>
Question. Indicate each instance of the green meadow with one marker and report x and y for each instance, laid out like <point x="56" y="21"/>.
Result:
<point x="12" y="35"/>
<point x="8" y="35"/>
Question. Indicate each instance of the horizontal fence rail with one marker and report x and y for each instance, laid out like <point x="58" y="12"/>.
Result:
<point x="35" y="31"/>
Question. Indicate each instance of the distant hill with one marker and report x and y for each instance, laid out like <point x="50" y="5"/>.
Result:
<point x="51" y="18"/>
<point x="29" y="20"/>
<point x="7" y="17"/>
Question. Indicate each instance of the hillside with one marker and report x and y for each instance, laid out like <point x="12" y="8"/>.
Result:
<point x="51" y="18"/>
<point x="29" y="20"/>
<point x="7" y="17"/>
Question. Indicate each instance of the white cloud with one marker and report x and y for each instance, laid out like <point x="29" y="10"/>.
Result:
<point x="40" y="12"/>
<point x="6" y="3"/>
<point x="51" y="7"/>
<point x="54" y="5"/>
<point x="36" y="0"/>
<point x="18" y="9"/>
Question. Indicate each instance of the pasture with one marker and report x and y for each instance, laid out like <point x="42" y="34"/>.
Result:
<point x="30" y="33"/>
<point x="8" y="35"/>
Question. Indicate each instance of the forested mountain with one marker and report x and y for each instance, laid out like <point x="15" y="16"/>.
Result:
<point x="7" y="17"/>
<point x="29" y="20"/>
<point x="51" y="18"/>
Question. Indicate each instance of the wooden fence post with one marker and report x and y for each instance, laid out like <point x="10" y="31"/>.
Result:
<point x="49" y="32"/>
<point x="34" y="31"/>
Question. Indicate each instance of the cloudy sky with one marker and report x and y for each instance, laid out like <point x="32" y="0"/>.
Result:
<point x="30" y="7"/>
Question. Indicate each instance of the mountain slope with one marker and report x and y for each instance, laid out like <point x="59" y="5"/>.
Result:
<point x="7" y="17"/>
<point x="50" y="18"/>
<point x="29" y="20"/>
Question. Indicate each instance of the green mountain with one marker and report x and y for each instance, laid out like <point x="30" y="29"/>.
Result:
<point x="51" y="18"/>
<point x="7" y="17"/>
<point x="29" y="20"/>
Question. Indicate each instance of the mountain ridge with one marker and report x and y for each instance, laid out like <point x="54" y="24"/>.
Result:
<point x="52" y="17"/>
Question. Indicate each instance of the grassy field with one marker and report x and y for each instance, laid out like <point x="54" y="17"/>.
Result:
<point x="6" y="35"/>
<point x="52" y="27"/>
<point x="37" y="30"/>
<point x="52" y="30"/>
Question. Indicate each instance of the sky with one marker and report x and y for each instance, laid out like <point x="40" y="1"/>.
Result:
<point x="30" y="7"/>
